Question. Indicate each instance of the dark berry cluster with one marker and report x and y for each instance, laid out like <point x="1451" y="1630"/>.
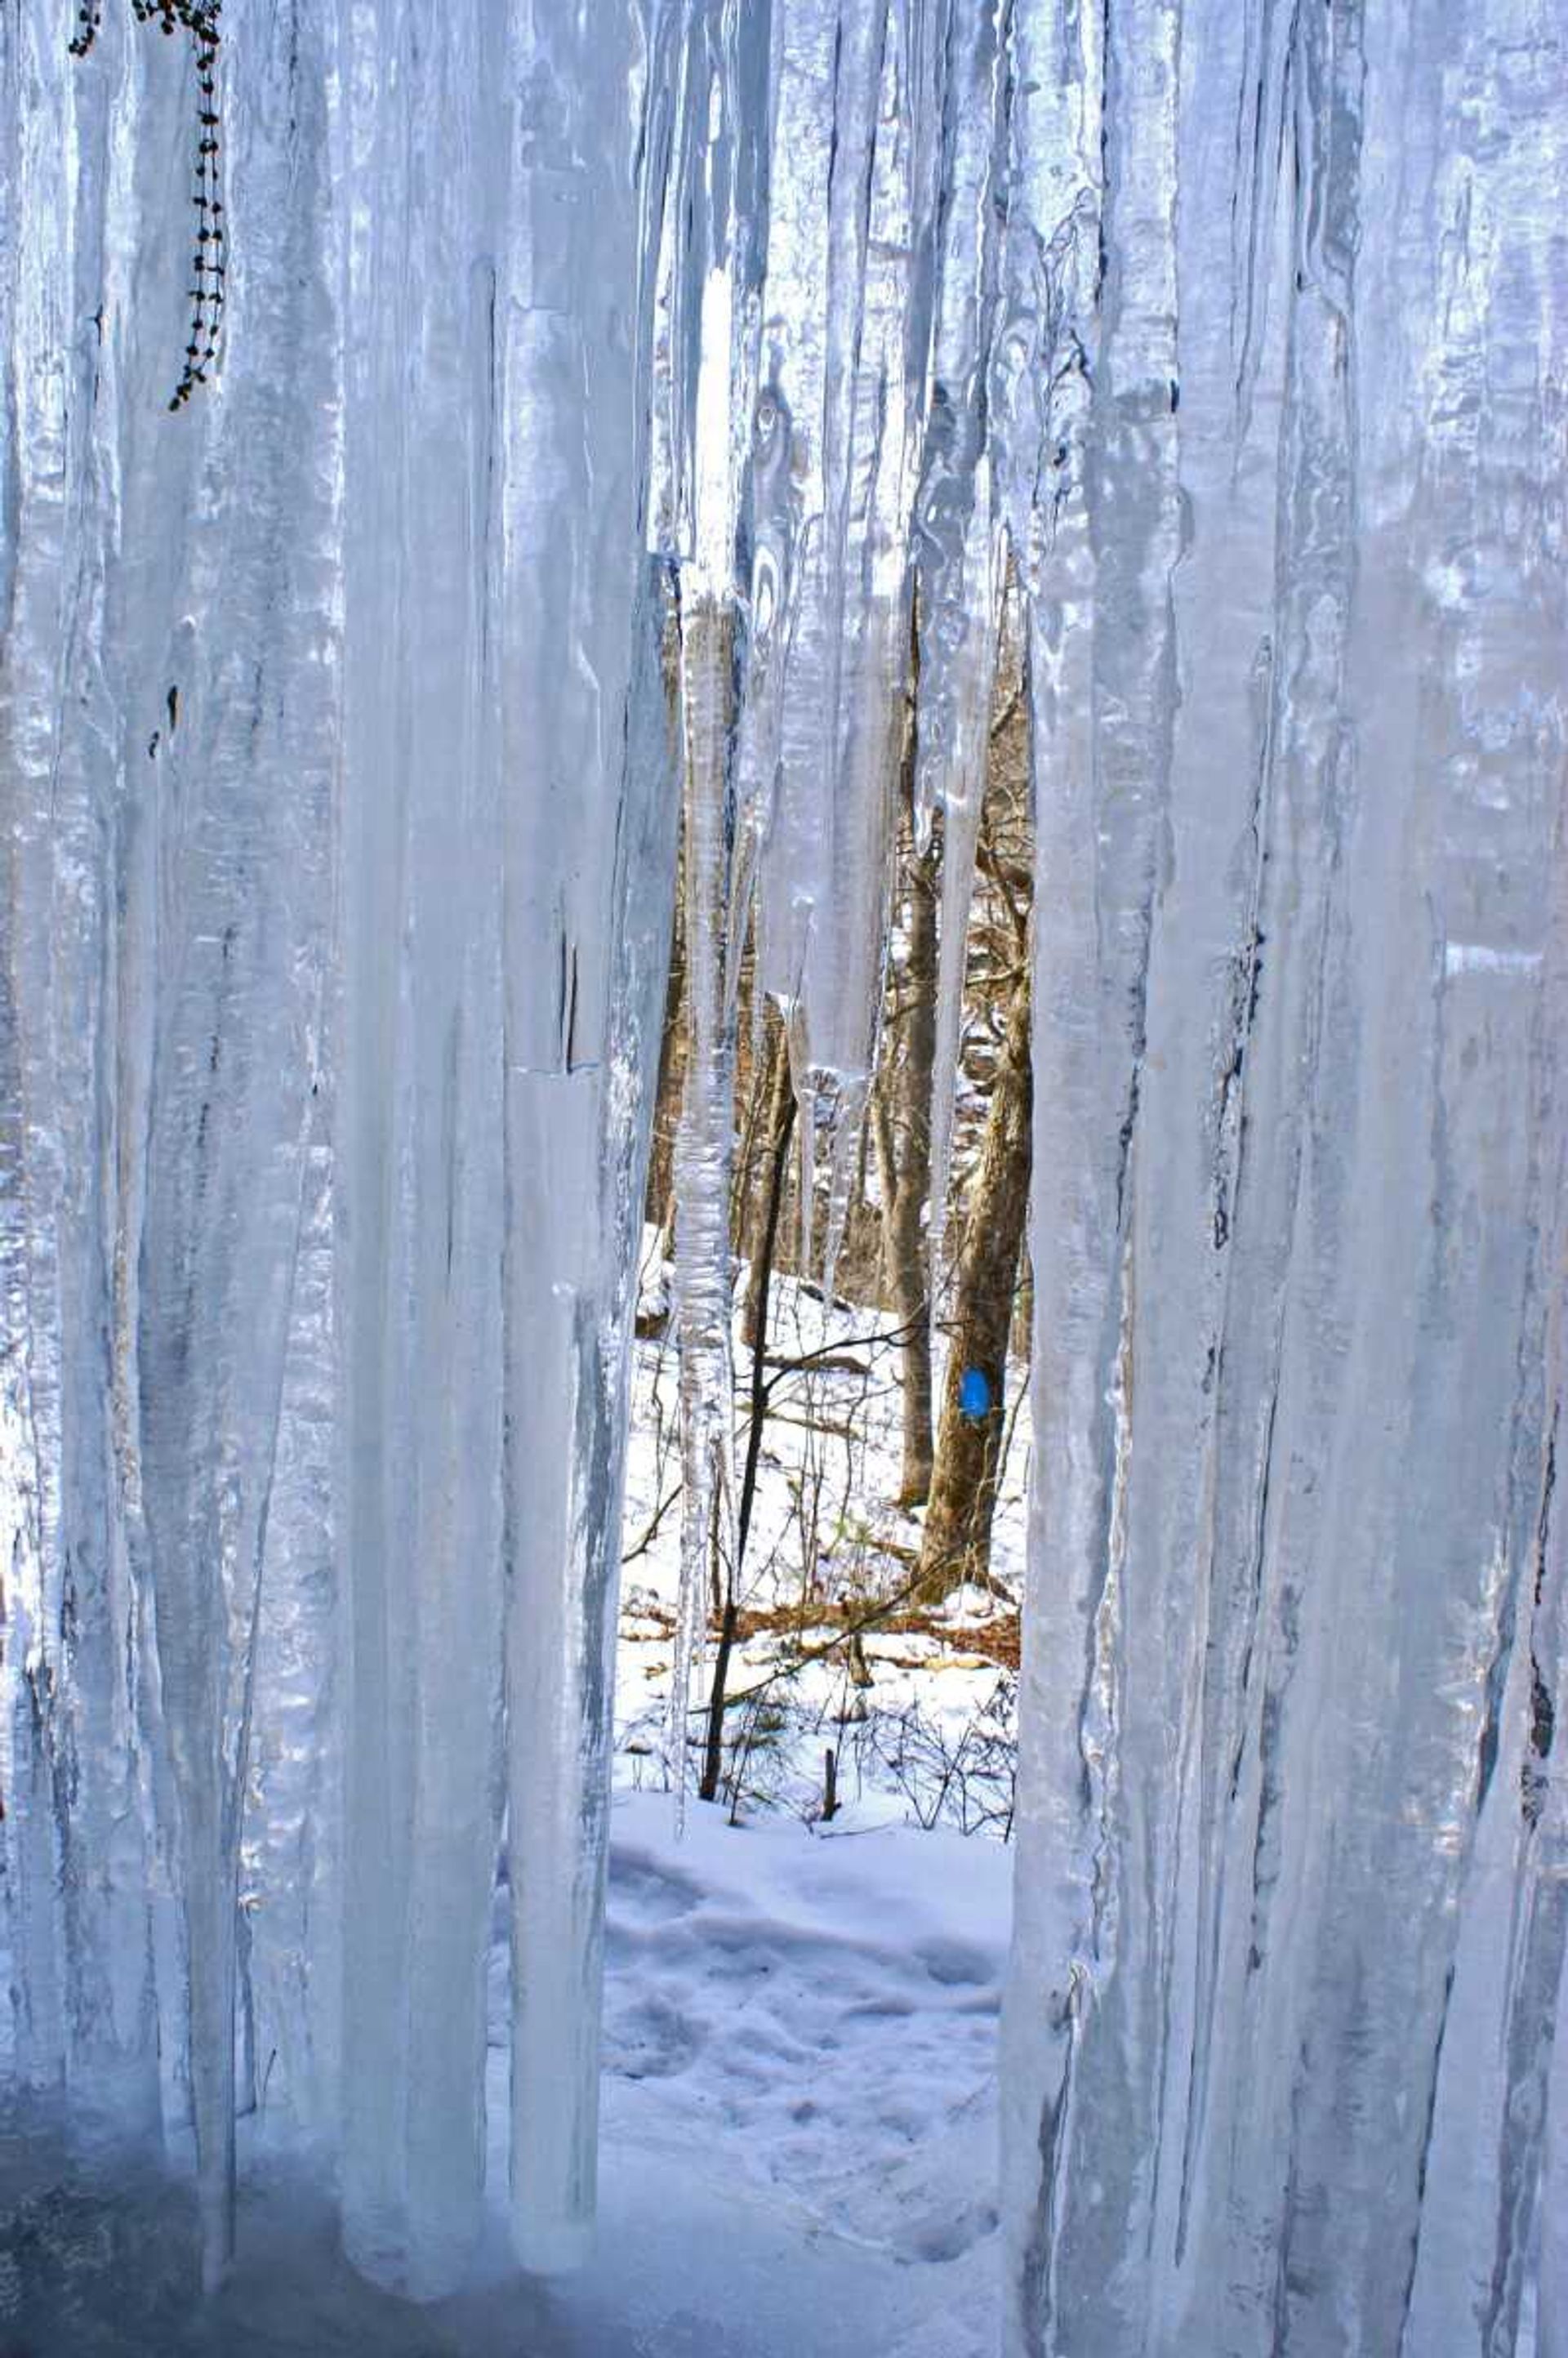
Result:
<point x="199" y="19"/>
<point x="88" y="19"/>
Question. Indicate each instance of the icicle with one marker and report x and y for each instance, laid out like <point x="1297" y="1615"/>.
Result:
<point x="55" y="1515"/>
<point x="843" y="246"/>
<point x="585" y="896"/>
<point x="958" y="780"/>
<point x="1085" y="1056"/>
<point x="1270" y="2004"/>
<point x="37" y="562"/>
<point x="420" y="1179"/>
<point x="292" y="1861"/>
<point x="956" y="541"/>
<point x="710" y="265"/>
<point x="703" y="1156"/>
<point x="157" y="852"/>
<point x="785" y="484"/>
<point x="243" y="900"/>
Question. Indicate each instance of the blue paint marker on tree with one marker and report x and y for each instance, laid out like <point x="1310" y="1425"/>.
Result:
<point x="974" y="1396"/>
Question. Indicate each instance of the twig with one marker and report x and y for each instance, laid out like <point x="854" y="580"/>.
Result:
<point x="660" y="1511"/>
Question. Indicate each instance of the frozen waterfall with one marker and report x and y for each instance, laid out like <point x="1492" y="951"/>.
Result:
<point x="595" y="406"/>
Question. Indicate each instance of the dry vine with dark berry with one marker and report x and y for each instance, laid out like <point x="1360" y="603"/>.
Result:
<point x="208" y="263"/>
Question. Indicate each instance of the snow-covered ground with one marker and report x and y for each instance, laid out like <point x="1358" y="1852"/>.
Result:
<point x="921" y="1722"/>
<point x="800" y="2017"/>
<point x="800" y="2035"/>
<point x="798" y="2139"/>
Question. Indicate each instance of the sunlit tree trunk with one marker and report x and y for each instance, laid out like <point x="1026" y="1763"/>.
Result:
<point x="957" y="1543"/>
<point x="902" y="1129"/>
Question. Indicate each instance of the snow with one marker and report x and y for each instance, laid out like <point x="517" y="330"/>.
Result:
<point x="798" y="2109"/>
<point x="799" y="2123"/>
<point x="811" y="2018"/>
<point x="930" y="1738"/>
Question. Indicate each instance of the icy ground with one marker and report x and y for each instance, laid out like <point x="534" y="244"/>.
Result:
<point x="798" y="2156"/>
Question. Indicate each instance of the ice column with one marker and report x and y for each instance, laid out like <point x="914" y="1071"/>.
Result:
<point x="91" y="318"/>
<point x="956" y="542"/>
<point x="789" y="392"/>
<point x="705" y="372"/>
<point x="421" y="1172"/>
<point x="843" y="305"/>
<point x="243" y="857"/>
<point x="169" y="706"/>
<point x="1289" y="1937"/>
<point x="293" y="1175"/>
<point x="56" y="1526"/>
<point x="588" y="811"/>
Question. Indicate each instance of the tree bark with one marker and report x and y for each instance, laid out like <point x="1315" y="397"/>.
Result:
<point x="902" y="1138"/>
<point x="957" y="1543"/>
<point x="658" y="1210"/>
<point x="764" y="1241"/>
<point x="713" y="1747"/>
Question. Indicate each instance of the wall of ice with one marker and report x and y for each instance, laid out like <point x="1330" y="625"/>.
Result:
<point x="340" y="800"/>
<point x="1290" y="1929"/>
<point x="338" y="838"/>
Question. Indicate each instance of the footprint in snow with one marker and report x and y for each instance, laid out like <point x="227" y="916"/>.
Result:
<point x="954" y="1965"/>
<point x="945" y="2235"/>
<point x="642" y="1888"/>
<point x="651" y="2040"/>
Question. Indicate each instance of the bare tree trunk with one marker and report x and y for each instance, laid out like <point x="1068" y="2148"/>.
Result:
<point x="756" y="1022"/>
<point x="902" y="1132"/>
<point x="957" y="1544"/>
<point x="761" y="1274"/>
<point x="763" y="1236"/>
<point x="659" y="1202"/>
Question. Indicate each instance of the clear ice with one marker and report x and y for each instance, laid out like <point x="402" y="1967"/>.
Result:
<point x="622" y="405"/>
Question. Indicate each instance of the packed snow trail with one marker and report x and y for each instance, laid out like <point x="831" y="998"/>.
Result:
<point x="800" y="2125"/>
